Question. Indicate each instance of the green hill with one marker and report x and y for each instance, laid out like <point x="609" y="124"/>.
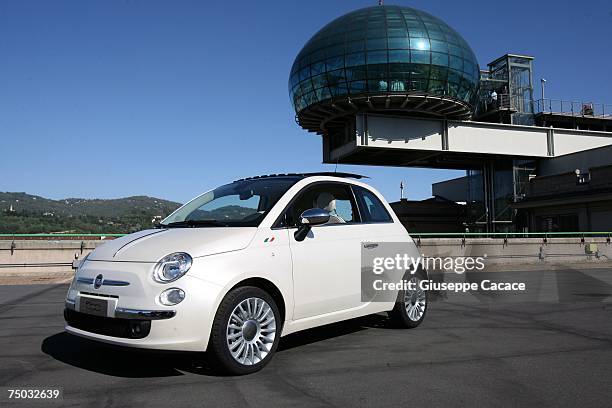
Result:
<point x="25" y="213"/>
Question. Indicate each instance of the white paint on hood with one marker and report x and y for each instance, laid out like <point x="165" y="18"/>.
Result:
<point x="152" y="245"/>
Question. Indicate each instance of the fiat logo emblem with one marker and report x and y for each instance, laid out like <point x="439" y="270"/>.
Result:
<point x="98" y="281"/>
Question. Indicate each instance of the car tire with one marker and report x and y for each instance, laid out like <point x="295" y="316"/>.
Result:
<point x="245" y="332"/>
<point x="411" y="306"/>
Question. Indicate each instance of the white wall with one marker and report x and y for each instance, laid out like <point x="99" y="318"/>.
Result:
<point x="473" y="137"/>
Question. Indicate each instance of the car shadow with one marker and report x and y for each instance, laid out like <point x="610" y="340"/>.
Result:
<point x="122" y="361"/>
<point x="137" y="363"/>
<point x="332" y="330"/>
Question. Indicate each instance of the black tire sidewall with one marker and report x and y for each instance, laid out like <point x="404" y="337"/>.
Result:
<point x="399" y="315"/>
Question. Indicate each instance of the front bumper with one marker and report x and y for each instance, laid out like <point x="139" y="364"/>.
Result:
<point x="134" y="316"/>
<point x="108" y="326"/>
<point x="127" y="323"/>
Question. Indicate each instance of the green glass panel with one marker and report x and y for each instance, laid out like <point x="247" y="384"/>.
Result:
<point x="439" y="59"/>
<point x="399" y="43"/>
<point x="399" y="56"/>
<point x="338" y="90"/>
<point x="381" y="49"/>
<point x="358" y="86"/>
<point x="456" y="63"/>
<point x="420" y="57"/>
<point x="420" y="44"/>
<point x="355" y="73"/>
<point x="439" y="46"/>
<point x="354" y="46"/>
<point x="355" y="59"/>
<point x="334" y="63"/>
<point x="376" y="43"/>
<point x="377" y="57"/>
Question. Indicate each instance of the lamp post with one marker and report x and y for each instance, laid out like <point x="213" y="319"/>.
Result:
<point x="543" y="82"/>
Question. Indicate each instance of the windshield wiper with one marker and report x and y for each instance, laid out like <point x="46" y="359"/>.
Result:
<point x="192" y="224"/>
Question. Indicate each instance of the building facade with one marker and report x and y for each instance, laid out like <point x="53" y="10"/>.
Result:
<point x="396" y="86"/>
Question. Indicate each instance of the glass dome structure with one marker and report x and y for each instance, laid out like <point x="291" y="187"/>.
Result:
<point x="383" y="58"/>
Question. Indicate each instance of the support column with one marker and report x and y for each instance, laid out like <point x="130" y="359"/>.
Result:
<point x="489" y="194"/>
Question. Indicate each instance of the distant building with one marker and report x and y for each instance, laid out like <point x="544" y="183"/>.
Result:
<point x="395" y="86"/>
<point x="564" y="194"/>
<point x="432" y="215"/>
<point x="569" y="193"/>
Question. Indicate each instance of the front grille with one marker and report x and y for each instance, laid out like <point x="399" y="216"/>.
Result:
<point x="108" y="326"/>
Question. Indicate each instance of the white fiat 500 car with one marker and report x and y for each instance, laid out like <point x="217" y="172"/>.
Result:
<point x="233" y="270"/>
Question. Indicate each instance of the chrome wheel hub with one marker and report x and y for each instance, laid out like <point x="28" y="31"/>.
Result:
<point x="415" y="301"/>
<point x="251" y="331"/>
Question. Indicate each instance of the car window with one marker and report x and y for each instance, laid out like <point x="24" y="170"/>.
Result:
<point x="243" y="203"/>
<point x="335" y="198"/>
<point x="229" y="207"/>
<point x="372" y="209"/>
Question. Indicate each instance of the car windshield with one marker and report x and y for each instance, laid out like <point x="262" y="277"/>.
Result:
<point x="243" y="203"/>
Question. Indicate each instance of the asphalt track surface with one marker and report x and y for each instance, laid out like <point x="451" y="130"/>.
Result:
<point x="470" y="351"/>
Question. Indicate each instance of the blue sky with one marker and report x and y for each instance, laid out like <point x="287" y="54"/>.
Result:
<point x="103" y="99"/>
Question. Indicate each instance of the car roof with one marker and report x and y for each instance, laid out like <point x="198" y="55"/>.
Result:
<point x="305" y="175"/>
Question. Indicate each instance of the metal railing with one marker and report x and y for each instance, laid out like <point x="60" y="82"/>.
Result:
<point x="607" y="235"/>
<point x="515" y="234"/>
<point x="504" y="102"/>
<point x="60" y="235"/>
<point x="573" y="108"/>
<point x="572" y="234"/>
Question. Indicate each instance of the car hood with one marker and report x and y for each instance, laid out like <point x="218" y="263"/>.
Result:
<point x="152" y="245"/>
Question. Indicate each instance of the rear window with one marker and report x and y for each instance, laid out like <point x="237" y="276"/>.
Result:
<point x="372" y="209"/>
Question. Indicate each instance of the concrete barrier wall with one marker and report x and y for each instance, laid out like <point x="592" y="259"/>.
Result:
<point x="520" y="251"/>
<point x="40" y="256"/>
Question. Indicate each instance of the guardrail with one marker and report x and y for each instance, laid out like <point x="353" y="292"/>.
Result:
<point x="573" y="108"/>
<point x="51" y="253"/>
<point x="512" y="234"/>
<point x="505" y="236"/>
<point x="573" y="234"/>
<point x="72" y="236"/>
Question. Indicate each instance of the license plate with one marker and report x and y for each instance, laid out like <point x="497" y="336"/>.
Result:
<point x="93" y="306"/>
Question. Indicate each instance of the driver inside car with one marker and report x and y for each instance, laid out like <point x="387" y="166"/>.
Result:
<point x="326" y="201"/>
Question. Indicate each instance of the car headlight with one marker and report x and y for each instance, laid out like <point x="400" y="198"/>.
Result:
<point x="171" y="267"/>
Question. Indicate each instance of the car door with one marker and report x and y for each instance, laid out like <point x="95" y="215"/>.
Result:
<point x="326" y="264"/>
<point x="381" y="232"/>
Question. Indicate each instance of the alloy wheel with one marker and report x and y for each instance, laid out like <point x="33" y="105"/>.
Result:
<point x="251" y="330"/>
<point x="415" y="301"/>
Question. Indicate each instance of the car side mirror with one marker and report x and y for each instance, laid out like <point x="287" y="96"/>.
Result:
<point x="309" y="218"/>
<point x="314" y="216"/>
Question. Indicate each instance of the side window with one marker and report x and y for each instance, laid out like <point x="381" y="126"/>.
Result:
<point x="372" y="210"/>
<point x="336" y="198"/>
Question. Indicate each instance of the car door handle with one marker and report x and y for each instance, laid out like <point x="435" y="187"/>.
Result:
<point x="370" y="246"/>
